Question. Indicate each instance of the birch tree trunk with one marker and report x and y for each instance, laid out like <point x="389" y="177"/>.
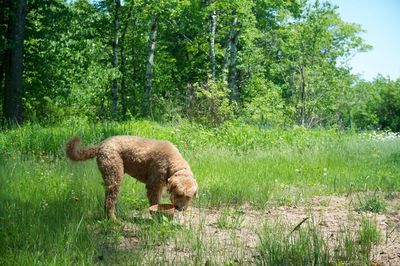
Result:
<point x="135" y="53"/>
<point x="213" y="28"/>
<point x="226" y="63"/>
<point x="123" y="65"/>
<point x="13" y="67"/>
<point x="302" y="97"/>
<point x="233" y="37"/>
<point x="148" y="86"/>
<point x="114" y="89"/>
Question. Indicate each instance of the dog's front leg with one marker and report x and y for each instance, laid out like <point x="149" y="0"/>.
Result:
<point x="154" y="192"/>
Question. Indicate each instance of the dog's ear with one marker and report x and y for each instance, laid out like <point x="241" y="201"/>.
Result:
<point x="171" y="185"/>
<point x="191" y="190"/>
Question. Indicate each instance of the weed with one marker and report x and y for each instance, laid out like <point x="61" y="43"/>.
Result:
<point x="368" y="235"/>
<point x="324" y="203"/>
<point x="354" y="248"/>
<point x="230" y="218"/>
<point x="371" y="203"/>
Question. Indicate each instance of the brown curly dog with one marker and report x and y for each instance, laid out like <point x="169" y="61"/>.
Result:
<point x="153" y="162"/>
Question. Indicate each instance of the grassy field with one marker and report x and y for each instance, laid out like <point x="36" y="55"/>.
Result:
<point x="51" y="210"/>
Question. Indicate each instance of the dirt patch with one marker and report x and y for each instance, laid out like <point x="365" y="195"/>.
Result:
<point x="331" y="214"/>
<point x="224" y="236"/>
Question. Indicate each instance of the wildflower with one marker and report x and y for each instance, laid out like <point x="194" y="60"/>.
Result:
<point x="43" y="204"/>
<point x="325" y="171"/>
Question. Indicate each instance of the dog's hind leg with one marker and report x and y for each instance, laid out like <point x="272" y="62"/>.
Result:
<point x="113" y="172"/>
<point x="111" y="197"/>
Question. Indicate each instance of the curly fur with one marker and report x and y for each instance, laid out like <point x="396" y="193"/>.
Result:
<point x="153" y="162"/>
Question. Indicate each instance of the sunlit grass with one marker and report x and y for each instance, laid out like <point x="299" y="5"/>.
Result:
<point x="52" y="209"/>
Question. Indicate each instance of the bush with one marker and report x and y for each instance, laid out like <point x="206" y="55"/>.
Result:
<point x="209" y="103"/>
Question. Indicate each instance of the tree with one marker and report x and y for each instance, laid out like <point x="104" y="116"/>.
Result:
<point x="307" y="60"/>
<point x="232" y="44"/>
<point x="148" y="85"/>
<point x="123" y="62"/>
<point x="376" y="104"/>
<point x="270" y="62"/>
<point x="114" y="90"/>
<point x="13" y="67"/>
<point x="213" y="28"/>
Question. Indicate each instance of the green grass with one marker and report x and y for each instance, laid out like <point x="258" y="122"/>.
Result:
<point x="308" y="246"/>
<point x="51" y="210"/>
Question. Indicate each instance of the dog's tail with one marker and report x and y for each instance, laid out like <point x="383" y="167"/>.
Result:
<point x="79" y="154"/>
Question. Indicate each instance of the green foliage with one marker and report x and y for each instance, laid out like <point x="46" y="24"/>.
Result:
<point x="264" y="104"/>
<point x="377" y="104"/>
<point x="291" y="64"/>
<point x="65" y="65"/>
<point x="388" y="109"/>
<point x="209" y="103"/>
<point x="371" y="203"/>
<point x="309" y="68"/>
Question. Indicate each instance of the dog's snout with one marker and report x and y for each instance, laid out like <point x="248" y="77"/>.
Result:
<point x="179" y="208"/>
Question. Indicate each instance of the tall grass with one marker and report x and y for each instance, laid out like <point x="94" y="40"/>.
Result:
<point x="228" y="158"/>
<point x="43" y="214"/>
<point x="34" y="138"/>
<point x="50" y="207"/>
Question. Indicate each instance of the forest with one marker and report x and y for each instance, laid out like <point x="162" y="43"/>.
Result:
<point x="271" y="63"/>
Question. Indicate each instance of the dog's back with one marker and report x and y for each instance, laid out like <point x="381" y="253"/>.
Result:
<point x="143" y="157"/>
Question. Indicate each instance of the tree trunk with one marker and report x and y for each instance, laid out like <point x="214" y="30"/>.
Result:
<point x="213" y="28"/>
<point x="233" y="37"/>
<point x="123" y="83"/>
<point x="226" y="63"/>
<point x="302" y="98"/>
<point x="2" y="62"/>
<point x="13" y="68"/>
<point x="135" y="53"/>
<point x="148" y="86"/>
<point x="123" y="66"/>
<point x="4" y="19"/>
<point x="114" y="90"/>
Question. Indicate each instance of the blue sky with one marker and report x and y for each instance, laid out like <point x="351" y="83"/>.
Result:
<point x="381" y="20"/>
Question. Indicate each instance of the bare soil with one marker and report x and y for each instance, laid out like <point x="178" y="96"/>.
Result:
<point x="239" y="245"/>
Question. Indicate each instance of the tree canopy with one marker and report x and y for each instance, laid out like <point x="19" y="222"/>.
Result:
<point x="267" y="62"/>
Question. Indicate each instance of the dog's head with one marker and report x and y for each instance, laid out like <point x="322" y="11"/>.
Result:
<point x="182" y="188"/>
